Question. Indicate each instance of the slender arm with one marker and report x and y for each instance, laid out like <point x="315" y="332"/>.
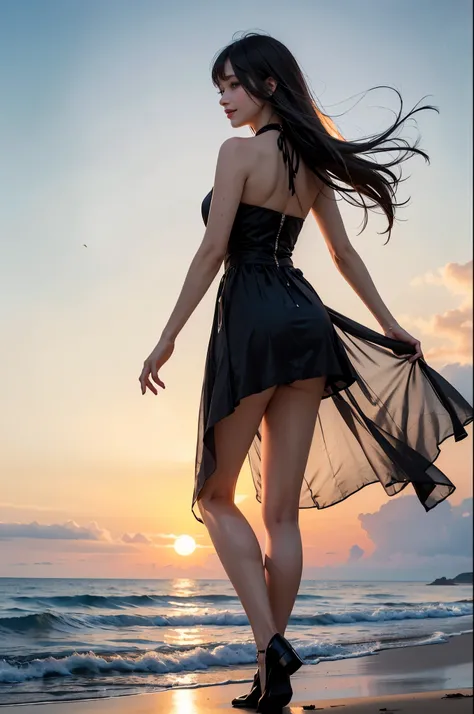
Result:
<point x="203" y="269"/>
<point x="230" y="177"/>
<point x="347" y="260"/>
<point x="353" y="269"/>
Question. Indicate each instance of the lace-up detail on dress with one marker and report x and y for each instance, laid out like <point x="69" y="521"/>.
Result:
<point x="291" y="158"/>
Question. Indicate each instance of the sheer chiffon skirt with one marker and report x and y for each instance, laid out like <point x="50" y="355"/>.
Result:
<point x="381" y="419"/>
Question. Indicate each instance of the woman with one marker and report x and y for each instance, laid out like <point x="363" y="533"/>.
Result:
<point x="322" y="405"/>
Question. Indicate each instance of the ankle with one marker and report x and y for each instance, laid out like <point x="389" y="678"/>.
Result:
<point x="262" y="643"/>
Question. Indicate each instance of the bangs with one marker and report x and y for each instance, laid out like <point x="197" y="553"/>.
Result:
<point x="246" y="66"/>
<point x="218" y="71"/>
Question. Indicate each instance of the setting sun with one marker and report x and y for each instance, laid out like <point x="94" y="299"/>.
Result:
<point x="185" y="545"/>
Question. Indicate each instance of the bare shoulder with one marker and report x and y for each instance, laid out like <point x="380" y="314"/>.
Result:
<point x="233" y="148"/>
<point x="229" y="180"/>
<point x="232" y="159"/>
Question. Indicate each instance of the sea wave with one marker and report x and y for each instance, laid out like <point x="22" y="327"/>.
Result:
<point x="199" y="658"/>
<point x="121" y="601"/>
<point x="46" y="621"/>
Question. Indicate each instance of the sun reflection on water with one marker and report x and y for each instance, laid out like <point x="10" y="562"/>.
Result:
<point x="183" y="587"/>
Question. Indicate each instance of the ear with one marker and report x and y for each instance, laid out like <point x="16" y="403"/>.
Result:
<point x="271" y="84"/>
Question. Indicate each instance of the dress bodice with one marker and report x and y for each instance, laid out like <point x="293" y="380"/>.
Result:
<point x="260" y="233"/>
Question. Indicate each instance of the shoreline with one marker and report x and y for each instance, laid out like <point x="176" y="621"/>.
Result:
<point x="415" y="678"/>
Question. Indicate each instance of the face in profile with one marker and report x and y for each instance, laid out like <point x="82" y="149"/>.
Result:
<point x="240" y="107"/>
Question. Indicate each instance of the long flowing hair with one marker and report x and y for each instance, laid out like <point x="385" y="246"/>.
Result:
<point x="348" y="167"/>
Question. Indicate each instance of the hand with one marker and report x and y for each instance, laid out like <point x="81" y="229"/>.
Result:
<point x="398" y="333"/>
<point x="161" y="354"/>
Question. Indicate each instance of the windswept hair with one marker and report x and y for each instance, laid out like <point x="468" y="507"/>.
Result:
<point x="342" y="165"/>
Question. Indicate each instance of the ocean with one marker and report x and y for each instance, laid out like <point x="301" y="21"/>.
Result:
<point x="73" y="639"/>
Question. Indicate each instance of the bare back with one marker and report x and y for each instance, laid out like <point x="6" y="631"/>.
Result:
<point x="267" y="182"/>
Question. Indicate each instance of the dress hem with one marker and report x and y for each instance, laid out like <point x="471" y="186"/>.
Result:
<point x="458" y="436"/>
<point x="350" y="379"/>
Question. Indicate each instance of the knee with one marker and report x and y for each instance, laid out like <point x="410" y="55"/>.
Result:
<point x="276" y="516"/>
<point x="209" y="501"/>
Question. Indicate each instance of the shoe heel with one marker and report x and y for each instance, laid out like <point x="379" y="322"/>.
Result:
<point x="291" y="664"/>
<point x="288" y="659"/>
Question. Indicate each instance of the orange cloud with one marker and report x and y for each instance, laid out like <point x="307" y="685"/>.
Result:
<point x="453" y="326"/>
<point x="136" y="538"/>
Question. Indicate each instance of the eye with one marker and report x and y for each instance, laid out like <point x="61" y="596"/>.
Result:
<point x="233" y="85"/>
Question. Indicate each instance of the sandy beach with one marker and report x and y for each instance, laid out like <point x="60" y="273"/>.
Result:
<point x="431" y="678"/>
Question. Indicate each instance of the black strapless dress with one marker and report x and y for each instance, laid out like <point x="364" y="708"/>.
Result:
<point x="381" y="418"/>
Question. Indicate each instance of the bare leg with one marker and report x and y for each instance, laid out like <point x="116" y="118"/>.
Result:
<point x="233" y="538"/>
<point x="288" y="428"/>
<point x="283" y="568"/>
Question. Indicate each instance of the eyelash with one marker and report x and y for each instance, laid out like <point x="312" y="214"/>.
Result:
<point x="232" y="84"/>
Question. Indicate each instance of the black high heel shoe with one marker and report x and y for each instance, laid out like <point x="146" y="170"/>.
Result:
<point x="281" y="660"/>
<point x="250" y="700"/>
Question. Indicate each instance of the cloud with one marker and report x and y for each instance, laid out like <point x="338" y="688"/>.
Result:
<point x="453" y="326"/>
<point x="55" y="531"/>
<point x="355" y="553"/>
<point x="44" y="562"/>
<point x="93" y="538"/>
<point x="155" y="538"/>
<point x="456" y="277"/>
<point x="460" y="376"/>
<point x="71" y="531"/>
<point x="399" y="527"/>
<point x="136" y="538"/>
<point x="410" y="544"/>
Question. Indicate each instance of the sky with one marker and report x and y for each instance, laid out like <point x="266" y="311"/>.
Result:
<point x="109" y="133"/>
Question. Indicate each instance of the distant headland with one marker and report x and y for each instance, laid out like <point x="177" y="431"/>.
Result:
<point x="461" y="579"/>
